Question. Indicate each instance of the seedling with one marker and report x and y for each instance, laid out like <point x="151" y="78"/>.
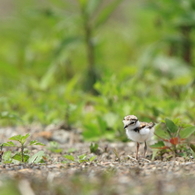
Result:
<point x="94" y="148"/>
<point x="54" y="147"/>
<point x="173" y="138"/>
<point x="23" y="155"/>
<point x="80" y="159"/>
<point x="71" y="150"/>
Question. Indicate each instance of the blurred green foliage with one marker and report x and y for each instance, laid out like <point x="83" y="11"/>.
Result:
<point x="90" y="62"/>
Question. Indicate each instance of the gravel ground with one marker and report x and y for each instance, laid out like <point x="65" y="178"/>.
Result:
<point x="113" y="172"/>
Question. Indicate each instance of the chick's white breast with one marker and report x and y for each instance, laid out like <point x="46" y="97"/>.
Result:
<point x="143" y="135"/>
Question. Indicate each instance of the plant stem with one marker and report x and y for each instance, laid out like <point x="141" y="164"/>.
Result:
<point x="22" y="152"/>
<point x="186" y="45"/>
<point x="90" y="50"/>
<point x="174" y="149"/>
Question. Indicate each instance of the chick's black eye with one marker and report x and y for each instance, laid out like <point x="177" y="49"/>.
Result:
<point x="133" y="122"/>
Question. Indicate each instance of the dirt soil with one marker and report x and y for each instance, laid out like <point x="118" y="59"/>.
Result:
<point x="113" y="172"/>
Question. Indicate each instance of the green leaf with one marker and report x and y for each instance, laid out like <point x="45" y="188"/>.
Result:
<point x="54" y="147"/>
<point x="160" y="133"/>
<point x="106" y="12"/>
<point x="6" y="155"/>
<point x="18" y="157"/>
<point x="82" y="157"/>
<point x="9" y="144"/>
<point x="154" y="153"/>
<point x="192" y="146"/>
<point x="36" y="158"/>
<point x="20" y="138"/>
<point x="93" y="147"/>
<point x="171" y="126"/>
<point x="69" y="157"/>
<point x="92" y="158"/>
<point x="185" y="133"/>
<point x="70" y="150"/>
<point x="35" y="142"/>
<point x="158" y="145"/>
<point x="56" y="150"/>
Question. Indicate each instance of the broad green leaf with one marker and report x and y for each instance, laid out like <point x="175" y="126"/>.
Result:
<point x="158" y="145"/>
<point x="172" y="128"/>
<point x="82" y="157"/>
<point x="20" y="138"/>
<point x="24" y="138"/>
<point x="92" y="158"/>
<point x="70" y="150"/>
<point x="16" y="138"/>
<point x="36" y="158"/>
<point x="35" y="142"/>
<point x="69" y="157"/>
<point x="7" y="155"/>
<point x="18" y="157"/>
<point x="192" y="146"/>
<point x="56" y="150"/>
<point x="160" y="133"/>
<point x="82" y="160"/>
<point x="185" y="133"/>
<point x="106" y="12"/>
<point x="9" y="144"/>
<point x="154" y="153"/>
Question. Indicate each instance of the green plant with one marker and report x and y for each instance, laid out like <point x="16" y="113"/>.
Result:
<point x="23" y="155"/>
<point x="178" y="25"/>
<point x="93" y="16"/>
<point x="81" y="158"/>
<point x="173" y="138"/>
<point x="54" y="147"/>
<point x="94" y="147"/>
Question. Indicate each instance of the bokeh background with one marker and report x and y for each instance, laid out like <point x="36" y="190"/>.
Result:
<point x="90" y="63"/>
